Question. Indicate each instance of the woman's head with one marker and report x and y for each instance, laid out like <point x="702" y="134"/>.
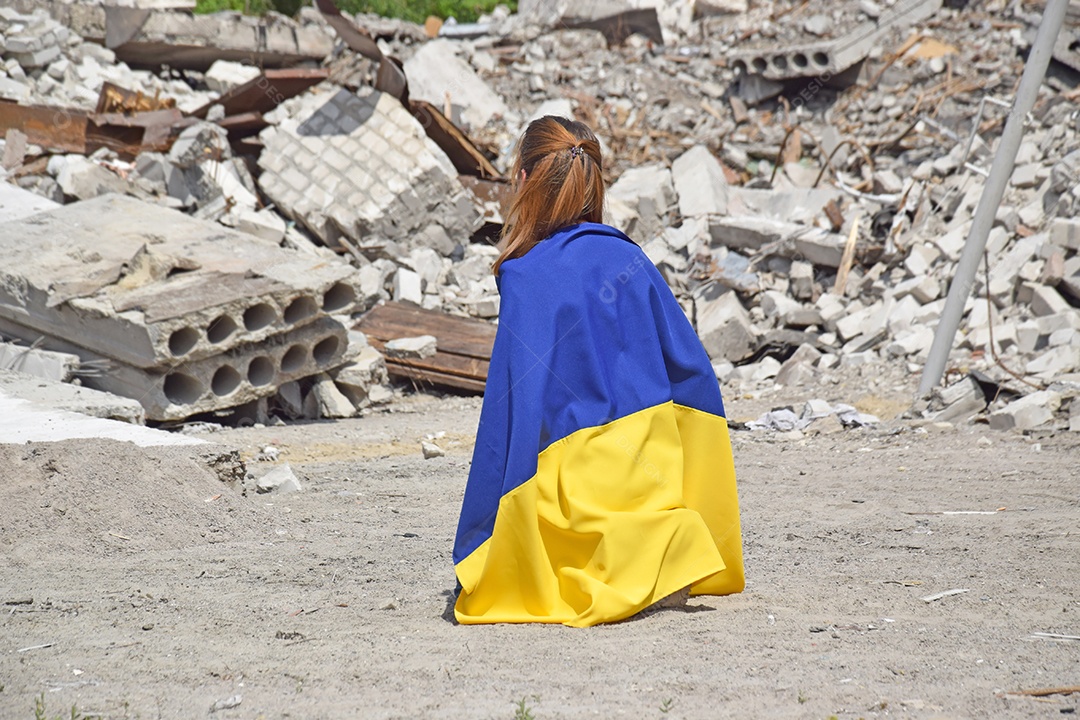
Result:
<point x="560" y="183"/>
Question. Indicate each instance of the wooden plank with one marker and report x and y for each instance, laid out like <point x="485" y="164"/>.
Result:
<point x="414" y="317"/>
<point x="430" y="377"/>
<point x="456" y="335"/>
<point x="442" y="361"/>
<point x="464" y="345"/>
<point x="459" y="343"/>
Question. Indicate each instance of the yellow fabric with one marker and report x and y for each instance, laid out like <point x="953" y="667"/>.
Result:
<point x="616" y="518"/>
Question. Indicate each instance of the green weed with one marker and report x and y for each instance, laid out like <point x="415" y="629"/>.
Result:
<point x="41" y="714"/>
<point x="413" y="11"/>
<point x="522" y="711"/>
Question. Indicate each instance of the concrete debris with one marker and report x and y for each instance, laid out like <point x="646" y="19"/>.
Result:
<point x="649" y="193"/>
<point x="358" y="166"/>
<point x="281" y="480"/>
<point x="438" y="75"/>
<point x="785" y="419"/>
<point x="724" y="325"/>
<point x="225" y="75"/>
<point x="431" y="450"/>
<point x="144" y="287"/>
<point x="700" y="183"/>
<point x="273" y="209"/>
<point x="60" y="395"/>
<point x="29" y="421"/>
<point x="325" y="400"/>
<point x="420" y="347"/>
<point x="1026" y="413"/>
<point x="798" y="51"/>
<point x="16" y="203"/>
<point x="60" y="367"/>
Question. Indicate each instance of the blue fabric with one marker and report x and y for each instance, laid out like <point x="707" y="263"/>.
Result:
<point x="588" y="332"/>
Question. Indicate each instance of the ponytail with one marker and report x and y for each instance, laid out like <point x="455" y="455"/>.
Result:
<point x="563" y="184"/>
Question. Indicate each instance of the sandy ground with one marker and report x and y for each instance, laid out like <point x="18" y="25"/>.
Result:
<point x="136" y="584"/>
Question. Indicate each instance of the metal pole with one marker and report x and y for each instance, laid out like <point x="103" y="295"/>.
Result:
<point x="1000" y="172"/>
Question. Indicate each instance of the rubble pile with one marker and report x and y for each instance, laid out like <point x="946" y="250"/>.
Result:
<point x="44" y="62"/>
<point x="803" y="175"/>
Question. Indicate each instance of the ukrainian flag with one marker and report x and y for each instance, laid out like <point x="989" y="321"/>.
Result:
<point x="602" y="478"/>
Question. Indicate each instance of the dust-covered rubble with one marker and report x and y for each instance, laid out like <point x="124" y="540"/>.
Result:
<point x="808" y="207"/>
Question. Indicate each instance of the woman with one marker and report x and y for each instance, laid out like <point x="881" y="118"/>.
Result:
<point x="602" y="480"/>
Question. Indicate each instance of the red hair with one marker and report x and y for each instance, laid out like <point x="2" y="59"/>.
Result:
<point x="563" y="184"/>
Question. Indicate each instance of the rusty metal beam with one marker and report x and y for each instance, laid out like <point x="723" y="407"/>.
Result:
<point x="266" y="92"/>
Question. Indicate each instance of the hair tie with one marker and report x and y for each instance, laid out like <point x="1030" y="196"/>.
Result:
<point x="575" y="152"/>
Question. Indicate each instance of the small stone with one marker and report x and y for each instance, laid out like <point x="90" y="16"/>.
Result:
<point x="724" y="325"/>
<point x="330" y="402"/>
<point x="281" y="481"/>
<point x="431" y="450"/>
<point x="1025" y="176"/>
<point x="224" y="75"/>
<point x="816" y="408"/>
<point x="817" y="25"/>
<point x="1046" y="300"/>
<point x="290" y="398"/>
<point x="408" y="287"/>
<point x="417" y="348"/>
<point x="870" y="8"/>
<point x="379" y="394"/>
<point x="1027" y="412"/>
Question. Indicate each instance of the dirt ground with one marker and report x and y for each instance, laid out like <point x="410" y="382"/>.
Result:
<point x="136" y="584"/>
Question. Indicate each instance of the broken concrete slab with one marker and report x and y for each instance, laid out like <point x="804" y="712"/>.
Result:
<point x="958" y="401"/>
<point x="1027" y="412"/>
<point x="149" y="286"/>
<point x="62" y="396"/>
<point x="648" y="190"/>
<point x="828" y="58"/>
<point x="1046" y="300"/>
<point x="28" y="360"/>
<point x="359" y="166"/>
<point x="185" y="40"/>
<point x="237" y="376"/>
<point x="799" y="368"/>
<point x="357" y="378"/>
<point x="794" y="205"/>
<point x="1055" y="361"/>
<point x="408" y="287"/>
<point x="699" y="182"/>
<point x="264" y="224"/>
<point x="16" y="203"/>
<point x="723" y="324"/>
<point x="913" y="342"/>
<point x="436" y="74"/>
<point x="24" y="421"/>
<point x="808" y="244"/>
